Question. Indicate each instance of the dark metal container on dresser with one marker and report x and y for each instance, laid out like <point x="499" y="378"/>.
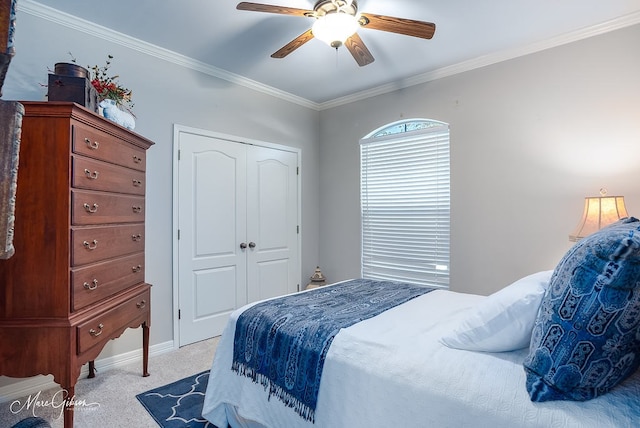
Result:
<point x="70" y="82"/>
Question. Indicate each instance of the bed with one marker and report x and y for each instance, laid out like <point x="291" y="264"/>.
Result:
<point x="409" y="366"/>
<point x="394" y="370"/>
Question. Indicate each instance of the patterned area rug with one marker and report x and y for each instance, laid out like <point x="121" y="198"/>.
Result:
<point x="178" y="404"/>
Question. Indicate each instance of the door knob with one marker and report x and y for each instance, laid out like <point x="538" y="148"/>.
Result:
<point x="243" y="245"/>
<point x="252" y="245"/>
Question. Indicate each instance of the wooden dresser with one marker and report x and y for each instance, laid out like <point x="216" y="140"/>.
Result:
<point x="76" y="279"/>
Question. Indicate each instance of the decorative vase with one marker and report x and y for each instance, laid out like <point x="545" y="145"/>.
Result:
<point x="111" y="111"/>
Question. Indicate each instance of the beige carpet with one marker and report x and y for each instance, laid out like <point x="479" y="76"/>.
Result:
<point x="114" y="391"/>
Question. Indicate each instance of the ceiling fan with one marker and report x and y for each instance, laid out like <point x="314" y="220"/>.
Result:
<point x="337" y="23"/>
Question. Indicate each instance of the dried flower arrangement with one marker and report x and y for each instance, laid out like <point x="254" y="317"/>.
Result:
<point x="108" y="87"/>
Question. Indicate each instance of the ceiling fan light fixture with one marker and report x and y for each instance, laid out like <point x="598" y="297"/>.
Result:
<point x="336" y="24"/>
<point x="335" y="28"/>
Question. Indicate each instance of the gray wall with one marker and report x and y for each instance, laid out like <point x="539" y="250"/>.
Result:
<point x="166" y="94"/>
<point x="530" y="138"/>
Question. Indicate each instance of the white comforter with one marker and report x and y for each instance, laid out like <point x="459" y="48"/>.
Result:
<point x="391" y="371"/>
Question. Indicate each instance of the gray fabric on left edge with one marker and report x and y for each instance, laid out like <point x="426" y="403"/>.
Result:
<point x="11" y="113"/>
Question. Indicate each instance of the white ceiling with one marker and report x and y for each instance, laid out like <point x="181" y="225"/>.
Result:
<point x="469" y="33"/>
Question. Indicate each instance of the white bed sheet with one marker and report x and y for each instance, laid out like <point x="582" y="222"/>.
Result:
<point x="391" y="371"/>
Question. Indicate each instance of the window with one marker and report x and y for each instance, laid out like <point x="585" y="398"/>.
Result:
<point x="404" y="185"/>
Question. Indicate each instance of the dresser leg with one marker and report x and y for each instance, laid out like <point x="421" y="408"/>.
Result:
<point x="145" y="349"/>
<point x="68" y="408"/>
<point x="92" y="369"/>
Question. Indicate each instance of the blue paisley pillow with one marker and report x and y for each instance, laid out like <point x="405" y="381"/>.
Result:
<point x="586" y="338"/>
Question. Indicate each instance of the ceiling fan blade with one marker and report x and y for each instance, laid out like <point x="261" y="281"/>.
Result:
<point x="359" y="50"/>
<point x="293" y="45"/>
<point x="259" y="7"/>
<point x="408" y="27"/>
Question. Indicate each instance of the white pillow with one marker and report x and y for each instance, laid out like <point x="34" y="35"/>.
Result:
<point x="504" y="320"/>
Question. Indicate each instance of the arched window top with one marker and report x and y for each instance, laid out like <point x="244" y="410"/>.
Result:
<point x="403" y="126"/>
<point x="405" y="202"/>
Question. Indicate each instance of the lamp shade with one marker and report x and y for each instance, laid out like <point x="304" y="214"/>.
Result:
<point x="599" y="211"/>
<point x="334" y="28"/>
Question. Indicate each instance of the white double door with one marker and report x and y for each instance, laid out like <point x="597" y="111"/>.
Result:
<point x="238" y="229"/>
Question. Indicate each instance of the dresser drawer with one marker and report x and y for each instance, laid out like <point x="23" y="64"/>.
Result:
<point x="93" y="244"/>
<point x="89" y="207"/>
<point x="99" y="145"/>
<point x="96" y="175"/>
<point x="112" y="322"/>
<point x="98" y="281"/>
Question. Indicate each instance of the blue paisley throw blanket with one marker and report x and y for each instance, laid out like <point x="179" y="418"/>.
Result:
<point x="282" y="343"/>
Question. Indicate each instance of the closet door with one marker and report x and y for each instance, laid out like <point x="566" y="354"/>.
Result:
<point x="272" y="228"/>
<point x="212" y="269"/>
<point x="238" y="222"/>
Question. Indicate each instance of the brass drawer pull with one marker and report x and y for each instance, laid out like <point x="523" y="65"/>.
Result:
<point x="92" y="144"/>
<point x="142" y="304"/>
<point x="92" y="286"/>
<point x="91" y="209"/>
<point x="137" y="209"/>
<point x="136" y="269"/>
<point x="90" y="246"/>
<point x="137" y="183"/>
<point x="137" y="237"/>
<point x="91" y="175"/>
<point x="96" y="333"/>
<point x="137" y="159"/>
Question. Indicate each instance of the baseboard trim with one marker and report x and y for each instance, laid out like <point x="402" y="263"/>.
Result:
<point x="34" y="384"/>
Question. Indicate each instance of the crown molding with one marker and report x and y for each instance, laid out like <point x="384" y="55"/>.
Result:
<point x="47" y="13"/>
<point x="483" y="61"/>
<point x="61" y="18"/>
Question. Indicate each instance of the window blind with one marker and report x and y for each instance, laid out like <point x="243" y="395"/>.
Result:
<point x="405" y="206"/>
